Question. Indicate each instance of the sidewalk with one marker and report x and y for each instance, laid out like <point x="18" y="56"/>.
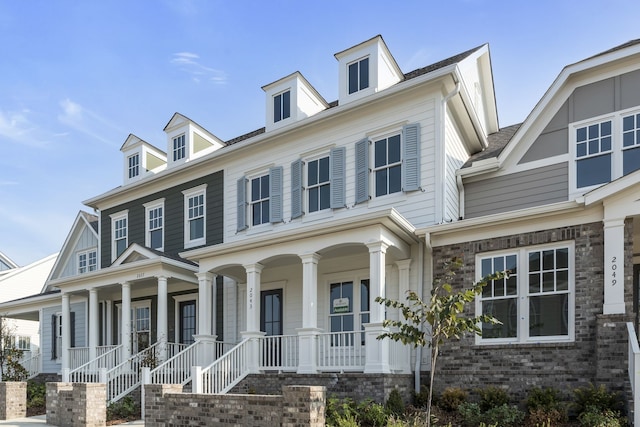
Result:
<point x="40" y="421"/>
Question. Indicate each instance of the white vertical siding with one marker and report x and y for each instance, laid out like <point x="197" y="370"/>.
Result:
<point x="86" y="240"/>
<point x="455" y="156"/>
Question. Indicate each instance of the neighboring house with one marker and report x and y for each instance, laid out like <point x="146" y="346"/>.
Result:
<point x="555" y="201"/>
<point x="17" y="283"/>
<point x="265" y="253"/>
<point x="6" y="264"/>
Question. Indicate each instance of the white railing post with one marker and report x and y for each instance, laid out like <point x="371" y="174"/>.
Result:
<point x="634" y="371"/>
<point x="196" y="379"/>
<point x="103" y="375"/>
<point x="65" y="375"/>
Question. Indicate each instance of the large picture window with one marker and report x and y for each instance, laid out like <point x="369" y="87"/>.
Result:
<point x="534" y="302"/>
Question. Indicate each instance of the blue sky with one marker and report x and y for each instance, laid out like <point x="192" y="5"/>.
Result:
<point x="77" y="77"/>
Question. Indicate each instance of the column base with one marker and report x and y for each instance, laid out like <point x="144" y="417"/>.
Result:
<point x="377" y="351"/>
<point x="307" y="350"/>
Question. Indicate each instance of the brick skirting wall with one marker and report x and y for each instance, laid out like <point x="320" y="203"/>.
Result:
<point x="13" y="400"/>
<point x="76" y="404"/>
<point x="599" y="352"/>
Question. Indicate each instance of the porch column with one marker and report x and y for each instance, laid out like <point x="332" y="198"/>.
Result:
<point x="162" y="327"/>
<point x="614" y="267"/>
<point x="125" y="324"/>
<point x="204" y="302"/>
<point x="377" y="351"/>
<point x="66" y="333"/>
<point x="94" y="323"/>
<point x="307" y="363"/>
<point x="253" y="332"/>
<point x="403" y="351"/>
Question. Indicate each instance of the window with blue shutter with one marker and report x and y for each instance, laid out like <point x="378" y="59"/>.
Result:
<point x="411" y="157"/>
<point x="242" y="204"/>
<point x="275" y="175"/>
<point x="338" y="177"/>
<point x="296" y="189"/>
<point x="362" y="171"/>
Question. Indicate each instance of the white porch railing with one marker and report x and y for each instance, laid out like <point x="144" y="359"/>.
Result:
<point x="78" y="356"/>
<point x="341" y="351"/>
<point x="31" y="362"/>
<point x="278" y="353"/>
<point x="108" y="357"/>
<point x="177" y="369"/>
<point x="124" y="378"/>
<point x="634" y="371"/>
<point x="226" y="371"/>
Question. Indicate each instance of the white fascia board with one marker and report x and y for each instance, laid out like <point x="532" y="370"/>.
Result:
<point x="28" y="304"/>
<point x="612" y="188"/>
<point x="170" y="173"/>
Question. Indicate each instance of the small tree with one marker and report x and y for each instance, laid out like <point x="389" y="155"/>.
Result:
<point x="443" y="312"/>
<point x="10" y="367"/>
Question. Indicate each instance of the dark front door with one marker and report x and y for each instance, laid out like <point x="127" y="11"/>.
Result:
<point x="271" y="323"/>
<point x="636" y="295"/>
<point x="187" y="321"/>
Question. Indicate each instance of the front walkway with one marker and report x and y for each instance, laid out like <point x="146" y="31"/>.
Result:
<point x="40" y="420"/>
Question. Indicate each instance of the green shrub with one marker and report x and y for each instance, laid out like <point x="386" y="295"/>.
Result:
<point x="470" y="413"/>
<point x="541" y="417"/>
<point x="394" y="405"/>
<point x="543" y="398"/>
<point x="451" y="398"/>
<point x="123" y="409"/>
<point x="492" y="397"/>
<point x="421" y="398"/>
<point x="596" y="397"/>
<point x="372" y="414"/>
<point x="504" y="415"/>
<point x="36" y="394"/>
<point x="596" y="417"/>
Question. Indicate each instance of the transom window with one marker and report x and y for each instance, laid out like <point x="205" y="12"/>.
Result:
<point x="358" y="75"/>
<point x="87" y="261"/>
<point x="282" y="106"/>
<point x="119" y="233"/>
<point x="260" y="200"/>
<point x="195" y="216"/>
<point x="318" y="184"/>
<point x="535" y="301"/>
<point x="134" y="165"/>
<point x="179" y="148"/>
<point x="388" y="165"/>
<point x="155" y="226"/>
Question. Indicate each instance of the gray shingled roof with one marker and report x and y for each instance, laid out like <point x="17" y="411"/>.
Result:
<point x="408" y="76"/>
<point x="497" y="142"/>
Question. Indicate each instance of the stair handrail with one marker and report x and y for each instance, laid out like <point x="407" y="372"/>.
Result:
<point x="125" y="377"/>
<point x="226" y="371"/>
<point x="89" y="372"/>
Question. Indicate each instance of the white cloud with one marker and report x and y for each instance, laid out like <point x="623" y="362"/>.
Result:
<point x="190" y="64"/>
<point x="17" y="126"/>
<point x="86" y="121"/>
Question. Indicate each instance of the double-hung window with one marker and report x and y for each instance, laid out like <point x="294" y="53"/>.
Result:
<point x="358" y="73"/>
<point x="179" y="148"/>
<point x="593" y="154"/>
<point x="87" y="261"/>
<point x="134" y="165"/>
<point x="630" y="143"/>
<point x="387" y="165"/>
<point x="260" y="200"/>
<point x="195" y="216"/>
<point x="119" y="231"/>
<point x="535" y="301"/>
<point x="155" y="224"/>
<point x="282" y="106"/>
<point x="318" y="184"/>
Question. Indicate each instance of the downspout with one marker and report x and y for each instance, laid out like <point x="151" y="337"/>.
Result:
<point x="460" y="197"/>
<point x="443" y="129"/>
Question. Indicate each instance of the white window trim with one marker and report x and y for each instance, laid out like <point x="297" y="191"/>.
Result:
<point x="115" y="217"/>
<point x="363" y="90"/>
<point x="177" y="300"/>
<point x="192" y="192"/>
<point x="134" y="304"/>
<point x="249" y="213"/>
<point x="273" y="115"/>
<point x="137" y="167"/>
<point x="86" y="252"/>
<point x="522" y="296"/>
<point x="306" y="187"/>
<point x="372" y="162"/>
<point x="147" y="230"/>
<point x="616" y="148"/>
<point x="58" y="332"/>
<point x="186" y="148"/>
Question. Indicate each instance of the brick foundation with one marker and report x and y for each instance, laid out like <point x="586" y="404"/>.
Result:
<point x="76" y="404"/>
<point x="166" y="405"/>
<point x="13" y="400"/>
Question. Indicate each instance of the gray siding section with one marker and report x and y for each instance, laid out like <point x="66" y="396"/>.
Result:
<point x="603" y="97"/>
<point x="520" y="190"/>
<point x="174" y="217"/>
<point x="53" y="366"/>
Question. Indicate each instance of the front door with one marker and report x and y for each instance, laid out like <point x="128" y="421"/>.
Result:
<point x="271" y="324"/>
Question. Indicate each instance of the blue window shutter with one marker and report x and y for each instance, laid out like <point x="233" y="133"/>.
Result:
<point x="296" y="189"/>
<point x="411" y="153"/>
<point x="337" y="159"/>
<point x="54" y="338"/>
<point x="242" y="204"/>
<point x="275" y="196"/>
<point x="72" y="329"/>
<point x="362" y="171"/>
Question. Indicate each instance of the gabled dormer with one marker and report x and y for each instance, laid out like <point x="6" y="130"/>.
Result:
<point x="365" y="69"/>
<point x="140" y="159"/>
<point x="187" y="140"/>
<point x="290" y="99"/>
<point x="79" y="253"/>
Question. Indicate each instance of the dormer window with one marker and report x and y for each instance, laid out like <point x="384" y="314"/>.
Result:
<point x="179" y="148"/>
<point x="282" y="106"/>
<point x="358" y="75"/>
<point x="134" y="165"/>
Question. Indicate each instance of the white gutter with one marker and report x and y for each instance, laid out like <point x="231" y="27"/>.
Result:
<point x="460" y="186"/>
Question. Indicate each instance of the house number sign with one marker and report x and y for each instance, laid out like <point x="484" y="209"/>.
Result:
<point x="614" y="268"/>
<point x="251" y="297"/>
